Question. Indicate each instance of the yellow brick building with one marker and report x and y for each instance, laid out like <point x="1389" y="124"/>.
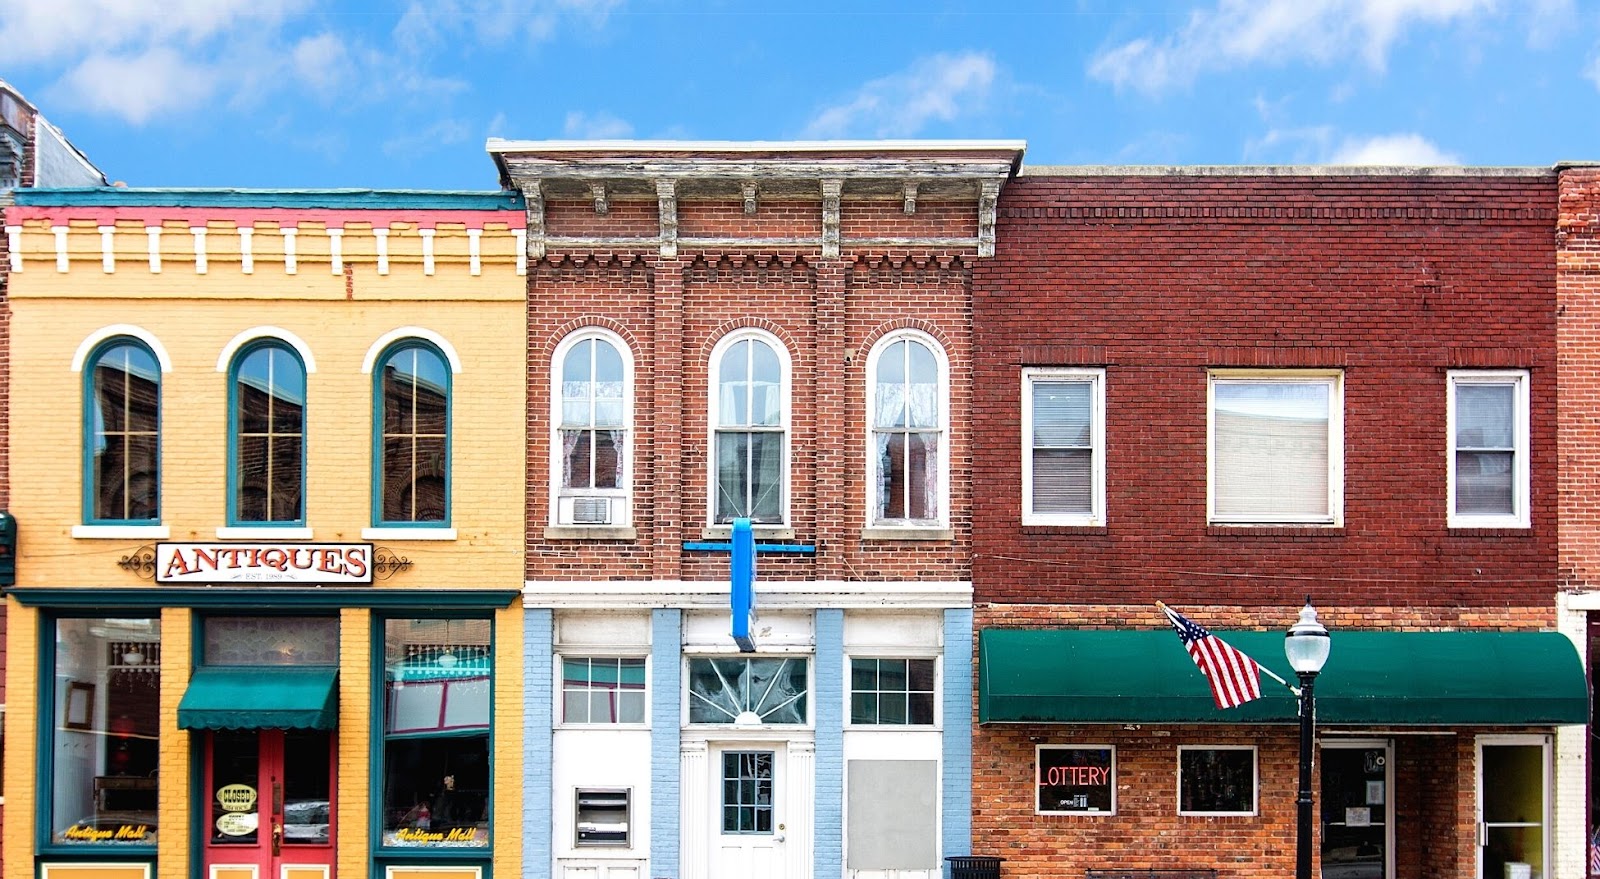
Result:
<point x="266" y="450"/>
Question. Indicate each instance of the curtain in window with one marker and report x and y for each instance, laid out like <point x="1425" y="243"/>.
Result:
<point x="1485" y="443"/>
<point x="906" y="432"/>
<point x="1271" y="447"/>
<point x="593" y="408"/>
<point x="1063" y="447"/>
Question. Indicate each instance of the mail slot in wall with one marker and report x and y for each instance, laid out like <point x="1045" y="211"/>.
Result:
<point x="604" y="817"/>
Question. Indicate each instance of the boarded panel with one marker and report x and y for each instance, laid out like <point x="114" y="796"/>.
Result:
<point x="305" y="871"/>
<point x="433" y="873"/>
<point x="95" y="871"/>
<point x="893" y="809"/>
<point x="233" y="871"/>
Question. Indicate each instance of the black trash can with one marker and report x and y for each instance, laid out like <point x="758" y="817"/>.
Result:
<point x="974" y="867"/>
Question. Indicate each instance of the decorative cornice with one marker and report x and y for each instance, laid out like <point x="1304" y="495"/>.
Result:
<point x="667" y="203"/>
<point x="1266" y="213"/>
<point x="831" y="190"/>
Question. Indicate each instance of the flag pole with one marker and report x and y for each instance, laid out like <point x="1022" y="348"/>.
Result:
<point x="1264" y="670"/>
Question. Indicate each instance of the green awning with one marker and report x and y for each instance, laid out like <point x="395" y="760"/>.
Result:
<point x="260" y="698"/>
<point x="1372" y="678"/>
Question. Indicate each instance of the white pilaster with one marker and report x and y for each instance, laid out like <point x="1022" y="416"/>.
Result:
<point x="14" y="245"/>
<point x="152" y="236"/>
<point x="1570" y="843"/>
<point x="336" y="251"/>
<point x="474" y="252"/>
<point x="290" y="263"/>
<point x="382" y="234"/>
<point x="108" y="249"/>
<point x="522" y="250"/>
<point x="247" y="253"/>
<point x="199" y="233"/>
<point x="802" y="780"/>
<point x="427" y="250"/>
<point x="694" y="843"/>
<point x="62" y="263"/>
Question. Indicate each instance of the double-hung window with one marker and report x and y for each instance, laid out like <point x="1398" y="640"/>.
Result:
<point x="1063" y="447"/>
<point x="602" y="689"/>
<point x="749" y="418"/>
<point x="1277" y="448"/>
<point x="908" y="403"/>
<point x="1487" y="422"/>
<point x="591" y="465"/>
<point x="122" y="432"/>
<point x="267" y="440"/>
<point x="412" y="445"/>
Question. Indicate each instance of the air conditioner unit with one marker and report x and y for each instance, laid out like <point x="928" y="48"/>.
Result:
<point x="589" y="510"/>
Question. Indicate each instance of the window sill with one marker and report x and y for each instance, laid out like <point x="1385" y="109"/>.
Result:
<point x="1270" y="531"/>
<point x="408" y="534"/>
<point x="256" y="532"/>
<point x="768" y="532"/>
<point x="121" y="532"/>
<point x="1090" y="528"/>
<point x="590" y="532"/>
<point x="1494" y="531"/>
<point x="910" y="532"/>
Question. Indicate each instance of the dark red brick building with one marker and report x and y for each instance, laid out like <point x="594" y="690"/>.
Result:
<point x="1229" y="389"/>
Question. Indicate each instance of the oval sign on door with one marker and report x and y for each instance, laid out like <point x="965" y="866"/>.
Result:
<point x="236" y="797"/>
<point x="237" y="823"/>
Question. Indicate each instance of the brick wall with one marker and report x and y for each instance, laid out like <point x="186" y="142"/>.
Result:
<point x="1394" y="280"/>
<point x="828" y="313"/>
<point x="1578" y="307"/>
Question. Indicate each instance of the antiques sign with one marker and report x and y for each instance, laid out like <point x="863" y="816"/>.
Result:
<point x="340" y="564"/>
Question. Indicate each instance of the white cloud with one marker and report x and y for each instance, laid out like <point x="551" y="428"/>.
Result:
<point x="935" y="88"/>
<point x="33" y="32"/>
<point x="1243" y="32"/>
<point x="136" y="87"/>
<point x="441" y="133"/>
<point x="597" y="126"/>
<point x="1293" y="146"/>
<point x="1392" y="149"/>
<point x="1591" y="71"/>
<point x="493" y="22"/>
<point x="322" y="61"/>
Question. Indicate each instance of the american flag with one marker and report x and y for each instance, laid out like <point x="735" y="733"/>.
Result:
<point x="1594" y="853"/>
<point x="1234" y="677"/>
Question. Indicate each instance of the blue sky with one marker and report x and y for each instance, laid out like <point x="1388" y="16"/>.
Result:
<point x="341" y="93"/>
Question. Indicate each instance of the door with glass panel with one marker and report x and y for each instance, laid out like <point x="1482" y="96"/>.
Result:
<point x="749" y="827"/>
<point x="269" y="804"/>
<point x="1513" y="807"/>
<point x="1357" y="833"/>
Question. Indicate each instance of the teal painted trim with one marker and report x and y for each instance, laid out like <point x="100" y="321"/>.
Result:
<point x="380" y="402"/>
<point x="337" y="199"/>
<point x="375" y="708"/>
<point x="538" y="723"/>
<point x="234" y="428"/>
<point x="130" y="598"/>
<point x="956" y="710"/>
<point x="828" y="792"/>
<point x="666" y="734"/>
<point x="798" y="548"/>
<point x="90" y="364"/>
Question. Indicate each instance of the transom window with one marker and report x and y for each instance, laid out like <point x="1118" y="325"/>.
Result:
<point x="892" y="692"/>
<point x="1488" y="462"/>
<point x="750" y="415"/>
<point x="908" y="416"/>
<point x="1063" y="447"/>
<point x="1277" y="448"/>
<point x="267" y="396"/>
<point x="122" y="429"/>
<point x="413" y="481"/>
<point x="602" y="689"/>
<point x="747" y="690"/>
<point x="591" y="464"/>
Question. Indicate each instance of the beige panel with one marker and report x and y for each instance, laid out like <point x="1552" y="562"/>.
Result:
<point x="233" y="871"/>
<point x="95" y="871"/>
<point x="433" y="873"/>
<point x="304" y="871"/>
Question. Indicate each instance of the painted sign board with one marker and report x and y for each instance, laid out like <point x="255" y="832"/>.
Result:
<point x="742" y="572"/>
<point x="295" y="564"/>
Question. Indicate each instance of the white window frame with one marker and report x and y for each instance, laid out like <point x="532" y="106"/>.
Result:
<point x="942" y="364"/>
<point x="1255" y="778"/>
<point x="1548" y="823"/>
<point x="621" y="498"/>
<point x="938" y="690"/>
<point x="560" y="708"/>
<point x="752" y="732"/>
<point x="1038" y="752"/>
<point x="1097" y="380"/>
<point x="1334" y="379"/>
<point x="1521" y="468"/>
<point x="785" y="421"/>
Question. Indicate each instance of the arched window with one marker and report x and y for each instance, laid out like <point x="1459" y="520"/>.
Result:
<point x="591" y="462"/>
<point x="267" y="435"/>
<point x="122" y="433"/>
<point x="411" y="442"/>
<point x="750" y="418"/>
<point x="907" y="402"/>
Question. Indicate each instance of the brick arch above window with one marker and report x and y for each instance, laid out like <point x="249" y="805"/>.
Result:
<point x="93" y="340"/>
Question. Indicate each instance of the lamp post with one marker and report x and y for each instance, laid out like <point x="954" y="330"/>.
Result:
<point x="1306" y="644"/>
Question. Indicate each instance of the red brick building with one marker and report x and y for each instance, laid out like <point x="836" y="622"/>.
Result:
<point x="1228" y="389"/>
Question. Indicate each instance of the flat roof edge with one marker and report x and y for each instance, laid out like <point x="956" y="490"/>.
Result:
<point x="1285" y="171"/>
<point x="501" y="145"/>
<point x="344" y="199"/>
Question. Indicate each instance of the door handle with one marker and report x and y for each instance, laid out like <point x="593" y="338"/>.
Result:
<point x="277" y="838"/>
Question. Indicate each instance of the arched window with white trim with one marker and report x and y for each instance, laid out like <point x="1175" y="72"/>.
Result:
<point x="267" y="435"/>
<point x="908" y="403"/>
<point x="591" y="457"/>
<point x="411" y="386"/>
<point x="750" y="429"/>
<point x="122" y="433"/>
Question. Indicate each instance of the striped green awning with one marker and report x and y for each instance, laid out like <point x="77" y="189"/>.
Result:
<point x="260" y="698"/>
<point x="1372" y="678"/>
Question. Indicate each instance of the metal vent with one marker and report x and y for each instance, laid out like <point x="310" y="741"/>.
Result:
<point x="591" y="511"/>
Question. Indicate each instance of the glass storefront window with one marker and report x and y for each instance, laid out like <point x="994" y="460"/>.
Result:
<point x="105" y="745"/>
<point x="436" y="725"/>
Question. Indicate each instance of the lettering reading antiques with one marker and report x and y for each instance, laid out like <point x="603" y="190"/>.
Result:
<point x="297" y="563"/>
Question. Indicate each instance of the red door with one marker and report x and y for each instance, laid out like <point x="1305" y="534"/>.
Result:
<point x="269" y="812"/>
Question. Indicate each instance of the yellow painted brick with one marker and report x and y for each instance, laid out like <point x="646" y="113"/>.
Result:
<point x="22" y="640"/>
<point x="172" y="831"/>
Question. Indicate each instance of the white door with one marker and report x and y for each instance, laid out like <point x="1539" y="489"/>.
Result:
<point x="1513" y="807"/>
<point x="748" y="825"/>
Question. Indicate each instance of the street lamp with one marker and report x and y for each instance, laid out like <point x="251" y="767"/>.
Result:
<point x="1306" y="644"/>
